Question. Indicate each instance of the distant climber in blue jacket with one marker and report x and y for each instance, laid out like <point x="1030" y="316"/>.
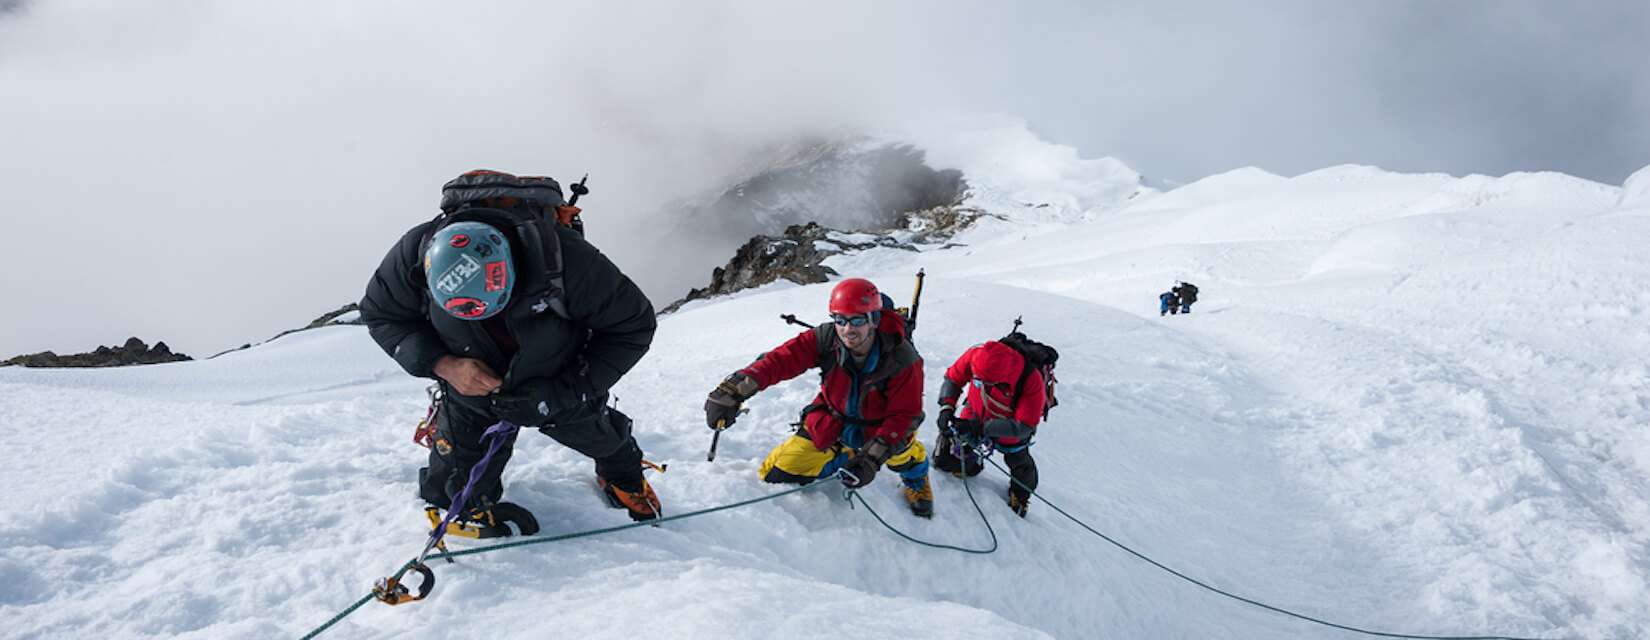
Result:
<point x="1168" y="303"/>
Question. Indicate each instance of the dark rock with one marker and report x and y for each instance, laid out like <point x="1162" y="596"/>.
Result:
<point x="794" y="255"/>
<point x="332" y="317"/>
<point x="133" y="352"/>
<point x="797" y="254"/>
<point x="853" y="183"/>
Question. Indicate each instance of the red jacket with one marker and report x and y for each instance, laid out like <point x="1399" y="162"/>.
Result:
<point x="996" y="367"/>
<point x="890" y="396"/>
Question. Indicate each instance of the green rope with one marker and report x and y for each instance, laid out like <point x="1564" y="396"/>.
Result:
<point x="633" y="525"/>
<point x="565" y="536"/>
<point x="855" y="495"/>
<point x="1239" y="598"/>
<point x="340" y="616"/>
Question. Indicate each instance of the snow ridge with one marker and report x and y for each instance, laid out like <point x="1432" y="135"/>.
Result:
<point x="1413" y="403"/>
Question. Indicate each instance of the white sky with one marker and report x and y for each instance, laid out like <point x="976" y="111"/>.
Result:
<point x="210" y="173"/>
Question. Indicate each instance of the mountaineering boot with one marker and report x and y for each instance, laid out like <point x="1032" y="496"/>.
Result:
<point x="920" y="496"/>
<point x="1018" y="503"/>
<point x="489" y="521"/>
<point x="642" y="505"/>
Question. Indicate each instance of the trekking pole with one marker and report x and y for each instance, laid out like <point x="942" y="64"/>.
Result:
<point x="916" y="299"/>
<point x="790" y="318"/>
<point x="568" y="214"/>
<point x="578" y="189"/>
<point x="1017" y="324"/>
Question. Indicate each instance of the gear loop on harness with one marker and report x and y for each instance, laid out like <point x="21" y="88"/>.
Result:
<point x="391" y="591"/>
<point x="424" y="435"/>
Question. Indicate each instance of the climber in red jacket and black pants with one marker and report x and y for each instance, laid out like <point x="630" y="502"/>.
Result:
<point x="994" y="410"/>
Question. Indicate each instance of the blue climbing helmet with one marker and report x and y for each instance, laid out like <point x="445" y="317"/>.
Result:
<point x="469" y="270"/>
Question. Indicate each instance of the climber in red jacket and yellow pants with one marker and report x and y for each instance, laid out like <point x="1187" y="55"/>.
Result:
<point x="869" y="403"/>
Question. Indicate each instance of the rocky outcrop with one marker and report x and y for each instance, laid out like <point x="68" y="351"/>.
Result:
<point x="798" y="254"/>
<point x="347" y="314"/>
<point x="133" y="352"/>
<point x="794" y="255"/>
<point x="848" y="183"/>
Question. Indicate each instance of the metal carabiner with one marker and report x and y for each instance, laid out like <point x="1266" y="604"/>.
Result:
<point x="391" y="591"/>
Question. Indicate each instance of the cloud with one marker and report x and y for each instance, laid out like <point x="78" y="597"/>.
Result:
<point x="212" y="173"/>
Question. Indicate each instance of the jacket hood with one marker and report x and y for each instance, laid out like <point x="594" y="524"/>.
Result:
<point x="998" y="363"/>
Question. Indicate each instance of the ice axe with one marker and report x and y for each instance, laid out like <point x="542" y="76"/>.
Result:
<point x="717" y="437"/>
<point x="916" y="299"/>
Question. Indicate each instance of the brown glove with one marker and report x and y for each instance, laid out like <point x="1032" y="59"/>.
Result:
<point x="863" y="468"/>
<point x="722" y="406"/>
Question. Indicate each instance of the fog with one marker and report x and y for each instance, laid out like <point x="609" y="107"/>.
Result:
<point x="209" y="174"/>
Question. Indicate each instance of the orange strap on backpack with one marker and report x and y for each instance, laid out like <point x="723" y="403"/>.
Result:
<point x="566" y="214"/>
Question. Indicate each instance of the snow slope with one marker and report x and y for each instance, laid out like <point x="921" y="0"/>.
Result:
<point x="1410" y="403"/>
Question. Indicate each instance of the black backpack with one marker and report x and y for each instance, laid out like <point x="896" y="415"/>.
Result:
<point x="1038" y="357"/>
<point x="539" y="195"/>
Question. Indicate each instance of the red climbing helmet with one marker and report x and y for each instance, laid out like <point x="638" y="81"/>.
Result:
<point x="855" y="296"/>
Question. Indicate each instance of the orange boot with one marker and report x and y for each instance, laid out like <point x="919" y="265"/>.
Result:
<point x="643" y="505"/>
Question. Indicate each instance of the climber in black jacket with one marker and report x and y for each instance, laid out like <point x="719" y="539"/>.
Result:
<point x="521" y="320"/>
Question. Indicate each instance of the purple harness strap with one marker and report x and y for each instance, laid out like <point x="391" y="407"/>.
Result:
<point x="496" y="435"/>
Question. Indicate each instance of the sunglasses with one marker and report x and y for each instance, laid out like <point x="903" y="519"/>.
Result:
<point x="854" y="321"/>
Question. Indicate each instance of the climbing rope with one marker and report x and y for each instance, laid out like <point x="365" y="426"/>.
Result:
<point x="1233" y="596"/>
<point x="854" y="495"/>
<point x="566" y="536"/>
<point x="341" y="615"/>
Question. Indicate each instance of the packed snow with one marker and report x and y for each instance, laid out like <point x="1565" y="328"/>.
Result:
<point x="1409" y="403"/>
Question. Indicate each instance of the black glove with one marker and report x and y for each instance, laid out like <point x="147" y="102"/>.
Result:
<point x="534" y="402"/>
<point x="971" y="429"/>
<point x="863" y="468"/>
<point x="722" y="406"/>
<point x="947" y="414"/>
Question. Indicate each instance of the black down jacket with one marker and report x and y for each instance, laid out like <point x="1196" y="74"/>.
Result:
<point x="573" y="359"/>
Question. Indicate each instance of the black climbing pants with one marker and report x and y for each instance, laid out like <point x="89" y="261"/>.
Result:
<point x="600" y="433"/>
<point x="1024" y="470"/>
